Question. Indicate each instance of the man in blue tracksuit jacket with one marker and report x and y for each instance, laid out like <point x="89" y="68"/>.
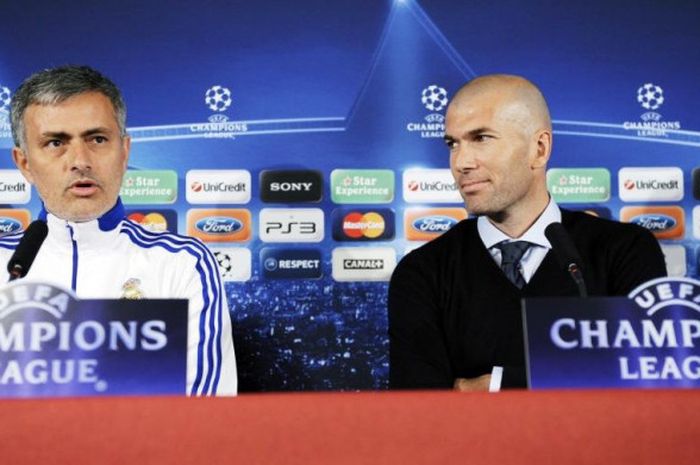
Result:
<point x="69" y="129"/>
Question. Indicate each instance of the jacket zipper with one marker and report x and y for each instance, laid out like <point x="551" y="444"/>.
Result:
<point x="74" y="276"/>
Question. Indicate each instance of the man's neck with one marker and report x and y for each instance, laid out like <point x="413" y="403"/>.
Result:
<point x="515" y="221"/>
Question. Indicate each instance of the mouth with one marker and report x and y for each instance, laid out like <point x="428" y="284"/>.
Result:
<point x="473" y="185"/>
<point x="83" y="188"/>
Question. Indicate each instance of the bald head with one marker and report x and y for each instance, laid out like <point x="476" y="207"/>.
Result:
<point x="512" y="97"/>
<point x="499" y="133"/>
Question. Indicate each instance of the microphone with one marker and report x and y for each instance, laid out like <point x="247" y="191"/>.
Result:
<point x="26" y="250"/>
<point x="566" y="254"/>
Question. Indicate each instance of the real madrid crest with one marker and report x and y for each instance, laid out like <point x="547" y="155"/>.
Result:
<point x="131" y="289"/>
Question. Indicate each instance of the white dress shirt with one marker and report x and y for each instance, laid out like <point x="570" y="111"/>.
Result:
<point x="491" y="236"/>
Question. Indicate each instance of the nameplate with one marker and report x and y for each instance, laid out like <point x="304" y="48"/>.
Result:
<point x="54" y="345"/>
<point x="649" y="339"/>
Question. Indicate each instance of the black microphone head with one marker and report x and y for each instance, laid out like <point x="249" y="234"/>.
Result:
<point x="563" y="246"/>
<point x="26" y="250"/>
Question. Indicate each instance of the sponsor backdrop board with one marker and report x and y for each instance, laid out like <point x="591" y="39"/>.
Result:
<point x="241" y="113"/>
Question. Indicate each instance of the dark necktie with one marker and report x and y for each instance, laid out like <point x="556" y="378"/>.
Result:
<point x="511" y="253"/>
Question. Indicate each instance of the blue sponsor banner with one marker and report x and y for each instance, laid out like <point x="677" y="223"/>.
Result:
<point x="278" y="263"/>
<point x="52" y="344"/>
<point x="650" y="339"/>
<point x="363" y="224"/>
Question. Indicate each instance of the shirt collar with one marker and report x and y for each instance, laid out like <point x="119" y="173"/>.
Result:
<point x="106" y="222"/>
<point x="490" y="235"/>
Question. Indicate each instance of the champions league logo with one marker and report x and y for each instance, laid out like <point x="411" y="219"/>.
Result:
<point x="219" y="99"/>
<point x="48" y="345"/>
<point x="660" y="346"/>
<point x="434" y="99"/>
<point x="651" y="97"/>
<point x="5" y="98"/>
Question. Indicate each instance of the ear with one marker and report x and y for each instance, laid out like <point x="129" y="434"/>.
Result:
<point x="22" y="161"/>
<point x="543" y="141"/>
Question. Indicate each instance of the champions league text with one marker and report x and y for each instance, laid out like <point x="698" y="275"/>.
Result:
<point x="67" y="342"/>
<point x="680" y="336"/>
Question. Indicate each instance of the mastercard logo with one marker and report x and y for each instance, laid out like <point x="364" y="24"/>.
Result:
<point x="370" y="225"/>
<point x="152" y="221"/>
<point x="374" y="224"/>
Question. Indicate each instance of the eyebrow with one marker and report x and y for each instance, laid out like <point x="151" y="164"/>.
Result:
<point x="469" y="134"/>
<point x="64" y="135"/>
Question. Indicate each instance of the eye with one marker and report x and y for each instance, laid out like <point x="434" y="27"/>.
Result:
<point x="99" y="139"/>
<point x="54" y="143"/>
<point x="451" y="143"/>
<point x="481" y="137"/>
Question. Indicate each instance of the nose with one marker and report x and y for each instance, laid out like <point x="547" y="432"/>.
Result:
<point x="81" y="157"/>
<point x="462" y="159"/>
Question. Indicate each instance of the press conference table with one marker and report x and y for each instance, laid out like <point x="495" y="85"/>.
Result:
<point x="567" y="427"/>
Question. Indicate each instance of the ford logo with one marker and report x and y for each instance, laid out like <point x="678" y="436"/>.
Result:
<point x="654" y="222"/>
<point x="9" y="225"/>
<point x="218" y="225"/>
<point x="434" y="224"/>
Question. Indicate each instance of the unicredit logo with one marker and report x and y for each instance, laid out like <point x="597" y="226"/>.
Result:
<point x="218" y="225"/>
<point x="652" y="185"/>
<point x="436" y="224"/>
<point x="654" y="223"/>
<point x="218" y="187"/>
<point x="434" y="186"/>
<point x="13" y="187"/>
<point x="9" y="225"/>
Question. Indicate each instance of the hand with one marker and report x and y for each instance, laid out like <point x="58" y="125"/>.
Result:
<point x="480" y="383"/>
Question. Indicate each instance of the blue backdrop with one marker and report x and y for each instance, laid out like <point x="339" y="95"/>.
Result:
<point x="318" y="85"/>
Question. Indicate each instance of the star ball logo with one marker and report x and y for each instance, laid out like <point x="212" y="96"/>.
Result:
<point x="434" y="99"/>
<point x="650" y="97"/>
<point x="218" y="99"/>
<point x="5" y="99"/>
<point x="235" y="263"/>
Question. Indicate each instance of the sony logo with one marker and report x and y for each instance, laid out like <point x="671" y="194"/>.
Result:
<point x="291" y="186"/>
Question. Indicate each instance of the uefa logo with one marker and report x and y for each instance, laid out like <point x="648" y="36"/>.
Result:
<point x="5" y="97"/>
<point x="218" y="98"/>
<point x="650" y="96"/>
<point x="434" y="98"/>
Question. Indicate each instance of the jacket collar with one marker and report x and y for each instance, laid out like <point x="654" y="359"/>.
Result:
<point x="95" y="232"/>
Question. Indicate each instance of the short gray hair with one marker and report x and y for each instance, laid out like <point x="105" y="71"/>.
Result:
<point x="53" y="86"/>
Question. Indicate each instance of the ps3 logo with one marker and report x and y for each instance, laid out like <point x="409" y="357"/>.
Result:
<point x="292" y="227"/>
<point x="654" y="223"/>
<point x="218" y="225"/>
<point x="435" y="224"/>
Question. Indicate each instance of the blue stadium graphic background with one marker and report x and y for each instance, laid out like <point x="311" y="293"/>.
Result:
<point x="333" y="85"/>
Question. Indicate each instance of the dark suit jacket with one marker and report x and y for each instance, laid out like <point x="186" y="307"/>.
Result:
<point x="454" y="314"/>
